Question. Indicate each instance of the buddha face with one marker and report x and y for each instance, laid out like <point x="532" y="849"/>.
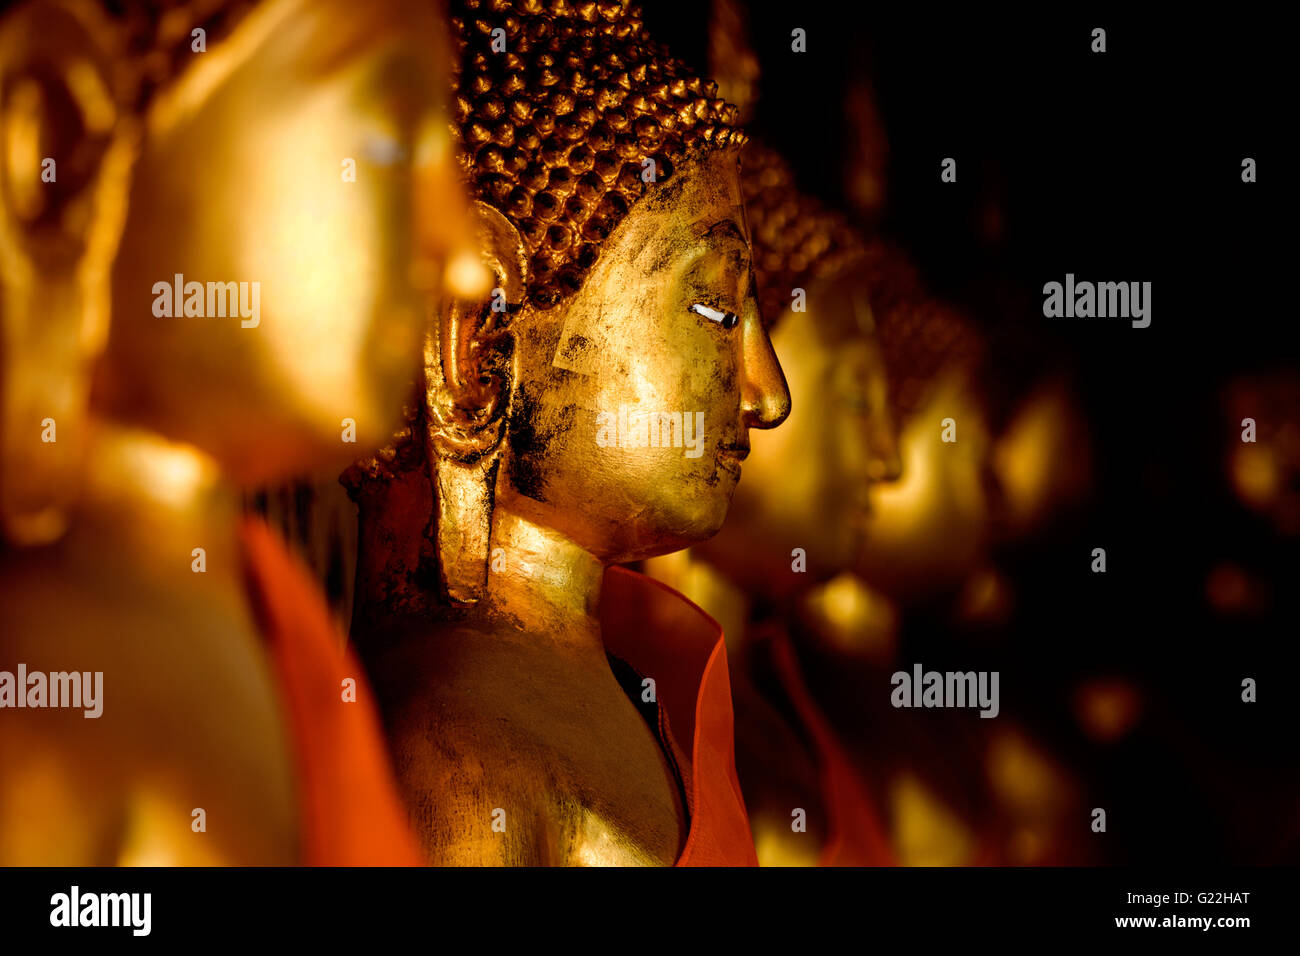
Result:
<point x="631" y="409"/>
<point x="929" y="529"/>
<point x="296" y="186"/>
<point x="807" y="485"/>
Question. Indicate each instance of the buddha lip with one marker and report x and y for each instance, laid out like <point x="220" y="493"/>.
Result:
<point x="738" y="452"/>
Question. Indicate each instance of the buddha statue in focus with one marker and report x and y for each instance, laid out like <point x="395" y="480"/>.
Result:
<point x="594" y="410"/>
<point x="220" y="224"/>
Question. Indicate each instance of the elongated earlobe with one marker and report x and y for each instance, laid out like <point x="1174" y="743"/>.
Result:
<point x="464" y="501"/>
<point x="463" y="448"/>
<point x="467" y="382"/>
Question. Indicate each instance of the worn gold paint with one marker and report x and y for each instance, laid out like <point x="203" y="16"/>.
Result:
<point x="509" y="702"/>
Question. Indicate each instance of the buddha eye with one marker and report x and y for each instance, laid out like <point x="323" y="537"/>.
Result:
<point x="728" y="320"/>
<point x="383" y="151"/>
<point x="858" y="403"/>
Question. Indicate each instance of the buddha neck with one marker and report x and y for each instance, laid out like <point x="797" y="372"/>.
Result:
<point x="152" y="502"/>
<point x="542" y="583"/>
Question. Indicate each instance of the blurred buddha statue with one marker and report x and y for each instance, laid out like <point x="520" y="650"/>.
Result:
<point x="931" y="526"/>
<point x="975" y="475"/>
<point x="832" y="501"/>
<point x="1263" y="442"/>
<point x="786" y="575"/>
<point x="220" y="223"/>
<point x="798" y="518"/>
<point x="594" y="410"/>
<point x="1258" y="444"/>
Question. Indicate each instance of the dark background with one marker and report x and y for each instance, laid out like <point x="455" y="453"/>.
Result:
<point x="1117" y="166"/>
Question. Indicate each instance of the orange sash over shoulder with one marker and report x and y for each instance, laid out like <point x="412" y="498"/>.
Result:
<point x="665" y="637"/>
<point x="350" y="810"/>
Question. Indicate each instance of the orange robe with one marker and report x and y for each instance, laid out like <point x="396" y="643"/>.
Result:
<point x="856" y="837"/>
<point x="665" y="637"/>
<point x="349" y="808"/>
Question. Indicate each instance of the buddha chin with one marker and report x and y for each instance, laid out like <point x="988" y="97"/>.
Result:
<point x="652" y="502"/>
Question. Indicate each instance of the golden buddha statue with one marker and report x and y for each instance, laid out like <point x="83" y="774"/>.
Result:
<point x="220" y="222"/>
<point x="973" y="478"/>
<point x="594" y="410"/>
<point x="929" y="526"/>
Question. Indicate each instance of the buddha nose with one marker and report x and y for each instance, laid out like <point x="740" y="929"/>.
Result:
<point x="764" y="397"/>
<point x="884" y="462"/>
<point x="447" y="258"/>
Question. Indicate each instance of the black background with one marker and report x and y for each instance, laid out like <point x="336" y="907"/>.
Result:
<point x="1124" y="165"/>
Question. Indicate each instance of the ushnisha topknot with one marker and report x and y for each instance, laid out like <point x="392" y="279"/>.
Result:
<point x="557" y="128"/>
<point x="921" y="335"/>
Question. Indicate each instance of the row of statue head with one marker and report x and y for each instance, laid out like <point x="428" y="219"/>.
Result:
<point x="231" y="231"/>
<point x="869" y="353"/>
<point x="589" y="153"/>
<point x="134" y="157"/>
<point x="166" y="164"/>
<point x="568" y="124"/>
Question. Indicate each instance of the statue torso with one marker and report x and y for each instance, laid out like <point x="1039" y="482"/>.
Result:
<point x="513" y="752"/>
<point x="190" y="714"/>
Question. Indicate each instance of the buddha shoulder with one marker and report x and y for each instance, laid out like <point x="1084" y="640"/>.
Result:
<point x="95" y="661"/>
<point x="511" y="753"/>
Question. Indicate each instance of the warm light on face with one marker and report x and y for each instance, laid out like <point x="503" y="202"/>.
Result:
<point x="303" y="155"/>
<point x="1042" y="457"/>
<point x="928" y="526"/>
<point x="808" y="483"/>
<point x="22" y="148"/>
<point x="628" y="343"/>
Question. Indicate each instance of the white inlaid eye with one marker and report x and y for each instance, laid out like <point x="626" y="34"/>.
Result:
<point x="727" y="320"/>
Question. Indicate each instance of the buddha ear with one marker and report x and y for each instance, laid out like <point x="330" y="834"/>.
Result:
<point x="65" y="167"/>
<point x="467" y="388"/>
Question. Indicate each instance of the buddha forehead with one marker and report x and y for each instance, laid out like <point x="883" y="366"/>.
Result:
<point x="697" y="219"/>
<point x="701" y="207"/>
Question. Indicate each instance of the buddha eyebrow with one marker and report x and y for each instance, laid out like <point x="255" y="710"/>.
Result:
<point x="726" y="228"/>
